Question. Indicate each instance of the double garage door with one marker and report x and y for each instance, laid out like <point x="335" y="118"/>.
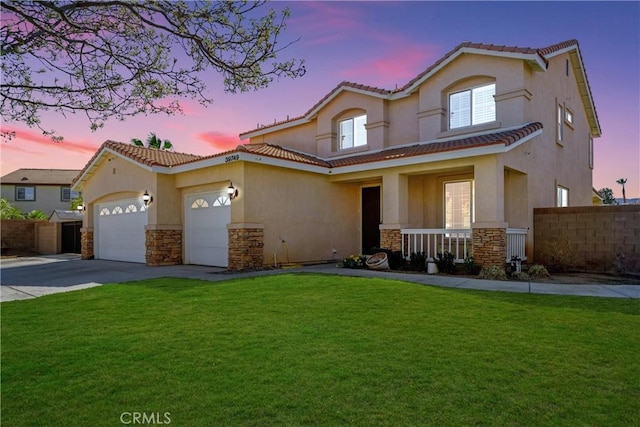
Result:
<point x="121" y="230"/>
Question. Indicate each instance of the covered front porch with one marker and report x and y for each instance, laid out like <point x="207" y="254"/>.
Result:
<point x="474" y="207"/>
<point x="432" y="241"/>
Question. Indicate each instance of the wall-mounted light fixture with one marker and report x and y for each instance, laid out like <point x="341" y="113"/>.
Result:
<point x="146" y="198"/>
<point x="81" y="208"/>
<point x="232" y="191"/>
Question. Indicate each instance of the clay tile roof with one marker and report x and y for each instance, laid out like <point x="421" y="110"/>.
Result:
<point x="556" y="47"/>
<point x="506" y="137"/>
<point x="541" y="52"/>
<point x="40" y="176"/>
<point x="149" y="156"/>
<point x="278" y="152"/>
<point x="145" y="156"/>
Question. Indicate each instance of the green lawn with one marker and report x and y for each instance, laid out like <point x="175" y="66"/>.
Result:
<point x="318" y="350"/>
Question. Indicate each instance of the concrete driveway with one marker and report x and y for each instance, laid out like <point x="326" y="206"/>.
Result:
<point x="31" y="277"/>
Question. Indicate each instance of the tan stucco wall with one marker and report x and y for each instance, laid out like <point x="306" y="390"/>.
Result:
<point x="113" y="179"/>
<point x="312" y="215"/>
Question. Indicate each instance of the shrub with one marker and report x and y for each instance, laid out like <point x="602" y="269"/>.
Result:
<point x="418" y="261"/>
<point x="36" y="214"/>
<point x="470" y="266"/>
<point x="537" y="271"/>
<point x="354" y="261"/>
<point x="493" y="273"/>
<point x="559" y="255"/>
<point x="444" y="261"/>
<point x="520" y="276"/>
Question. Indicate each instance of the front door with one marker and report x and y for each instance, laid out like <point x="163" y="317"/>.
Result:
<point x="370" y="218"/>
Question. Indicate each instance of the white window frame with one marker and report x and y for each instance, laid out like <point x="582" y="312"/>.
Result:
<point x="568" y="116"/>
<point x="352" y="132"/>
<point x="473" y="106"/>
<point x="25" y="189"/>
<point x="464" y="224"/>
<point x="562" y="196"/>
<point x="559" y="124"/>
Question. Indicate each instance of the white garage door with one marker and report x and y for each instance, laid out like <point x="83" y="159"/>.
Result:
<point x="207" y="238"/>
<point x="120" y="232"/>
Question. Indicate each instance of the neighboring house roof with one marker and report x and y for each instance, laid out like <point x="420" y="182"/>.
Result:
<point x="40" y="176"/>
<point x="168" y="163"/>
<point x="538" y="58"/>
<point x="63" y="216"/>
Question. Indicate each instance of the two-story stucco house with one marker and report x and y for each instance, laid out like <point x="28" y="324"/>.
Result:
<point x="454" y="160"/>
<point x="39" y="189"/>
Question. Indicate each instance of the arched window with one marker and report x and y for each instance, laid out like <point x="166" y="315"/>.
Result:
<point x="222" y="201"/>
<point x="199" y="203"/>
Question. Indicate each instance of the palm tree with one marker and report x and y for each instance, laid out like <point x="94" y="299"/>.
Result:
<point x="623" y="181"/>
<point x="154" y="142"/>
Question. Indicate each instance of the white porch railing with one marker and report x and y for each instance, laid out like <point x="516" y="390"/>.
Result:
<point x="516" y="239"/>
<point x="434" y="240"/>
<point x="458" y="242"/>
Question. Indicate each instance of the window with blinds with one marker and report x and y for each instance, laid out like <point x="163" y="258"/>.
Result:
<point x="458" y="205"/>
<point x="472" y="106"/>
<point x="353" y="132"/>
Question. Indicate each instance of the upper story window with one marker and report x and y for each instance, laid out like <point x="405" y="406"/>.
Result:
<point x="559" y="123"/>
<point x="568" y="116"/>
<point x="472" y="106"/>
<point x="67" y="194"/>
<point x="562" y="197"/>
<point x="352" y="132"/>
<point x="25" y="193"/>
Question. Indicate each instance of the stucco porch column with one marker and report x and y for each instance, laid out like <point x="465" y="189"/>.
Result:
<point x="489" y="230"/>
<point x="395" y="209"/>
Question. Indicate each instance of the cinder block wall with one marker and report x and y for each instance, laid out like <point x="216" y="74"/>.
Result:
<point x="595" y="238"/>
<point x="18" y="234"/>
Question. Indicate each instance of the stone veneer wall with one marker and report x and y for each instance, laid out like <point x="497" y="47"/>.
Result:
<point x="589" y="238"/>
<point x="490" y="246"/>
<point x="164" y="247"/>
<point x="391" y="239"/>
<point x="86" y="243"/>
<point x="246" y="247"/>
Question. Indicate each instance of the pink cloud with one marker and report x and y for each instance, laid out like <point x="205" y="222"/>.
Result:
<point x="219" y="141"/>
<point x="327" y="22"/>
<point x="398" y="66"/>
<point x="42" y="141"/>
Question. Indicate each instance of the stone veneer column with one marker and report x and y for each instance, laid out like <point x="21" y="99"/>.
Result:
<point x="390" y="238"/>
<point x="164" y="245"/>
<point x="490" y="246"/>
<point x="246" y="246"/>
<point x="86" y="243"/>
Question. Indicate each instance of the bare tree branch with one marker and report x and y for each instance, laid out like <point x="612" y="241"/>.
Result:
<point x="115" y="59"/>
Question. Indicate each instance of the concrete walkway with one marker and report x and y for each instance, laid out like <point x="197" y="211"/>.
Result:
<point x="31" y="277"/>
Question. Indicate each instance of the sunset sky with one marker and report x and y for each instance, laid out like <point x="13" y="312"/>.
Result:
<point x="385" y="44"/>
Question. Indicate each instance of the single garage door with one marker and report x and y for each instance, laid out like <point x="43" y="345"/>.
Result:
<point x="207" y="238"/>
<point x="120" y="231"/>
